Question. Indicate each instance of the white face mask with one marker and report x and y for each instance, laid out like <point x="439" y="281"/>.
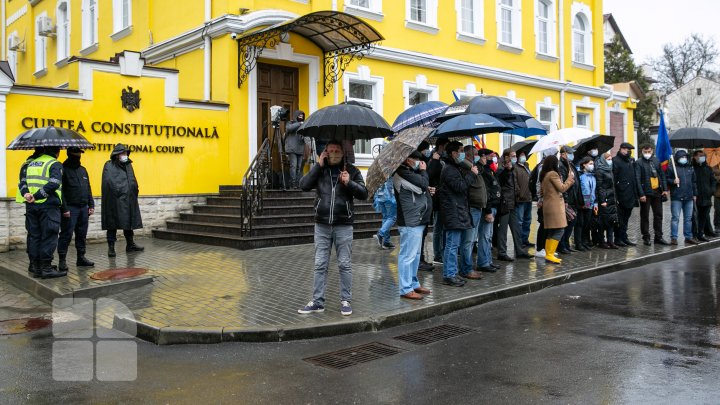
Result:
<point x="609" y="162"/>
<point x="682" y="161"/>
<point x="589" y="168"/>
<point x="124" y="158"/>
<point x="494" y="159"/>
<point x="593" y="152"/>
<point x="647" y="155"/>
<point x="701" y="159"/>
<point x="523" y="159"/>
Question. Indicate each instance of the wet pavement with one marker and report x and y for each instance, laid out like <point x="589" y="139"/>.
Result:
<point x="649" y="335"/>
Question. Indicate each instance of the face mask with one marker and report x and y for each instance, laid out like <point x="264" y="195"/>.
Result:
<point x="701" y="159"/>
<point x="461" y="157"/>
<point x="570" y="156"/>
<point x="443" y="154"/>
<point x="427" y="153"/>
<point x="589" y="168"/>
<point x="494" y="159"/>
<point x="124" y="158"/>
<point x="513" y="160"/>
<point x="476" y="159"/>
<point x="417" y="164"/>
<point x="647" y="155"/>
<point x="593" y="152"/>
<point x="523" y="159"/>
<point x="682" y="160"/>
<point x="609" y="162"/>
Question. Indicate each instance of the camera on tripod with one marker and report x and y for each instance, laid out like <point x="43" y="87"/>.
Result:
<point x="279" y="113"/>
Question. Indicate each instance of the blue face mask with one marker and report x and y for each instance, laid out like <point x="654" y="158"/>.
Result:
<point x="682" y="160"/>
<point x="609" y="162"/>
<point x="417" y="164"/>
<point x="513" y="160"/>
<point x="427" y="153"/>
<point x="701" y="159"/>
<point x="570" y="156"/>
<point x="461" y="157"/>
<point x="476" y="159"/>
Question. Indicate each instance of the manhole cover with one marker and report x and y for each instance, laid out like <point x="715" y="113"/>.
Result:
<point x="434" y="334"/>
<point x="353" y="355"/>
<point x="118" y="274"/>
<point x="17" y="326"/>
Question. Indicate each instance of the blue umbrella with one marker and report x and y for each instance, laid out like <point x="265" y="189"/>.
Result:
<point x="419" y="115"/>
<point x="525" y="128"/>
<point x="467" y="125"/>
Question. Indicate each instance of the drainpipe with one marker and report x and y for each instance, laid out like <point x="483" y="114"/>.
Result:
<point x="207" y="77"/>
<point x="561" y="25"/>
<point x="336" y="91"/>
<point x="4" y="44"/>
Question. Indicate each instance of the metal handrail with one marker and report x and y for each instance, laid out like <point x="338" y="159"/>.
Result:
<point x="254" y="184"/>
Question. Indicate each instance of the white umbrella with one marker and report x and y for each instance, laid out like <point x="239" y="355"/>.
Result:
<point x="561" y="137"/>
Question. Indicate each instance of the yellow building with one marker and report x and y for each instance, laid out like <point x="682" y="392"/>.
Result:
<point x="205" y="89"/>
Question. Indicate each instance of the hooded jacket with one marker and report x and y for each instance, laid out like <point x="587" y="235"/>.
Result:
<point x="120" y="207"/>
<point x="334" y="202"/>
<point x="453" y="196"/>
<point x="685" y="173"/>
<point x="413" y="209"/>
<point x="76" y="184"/>
<point x="294" y="142"/>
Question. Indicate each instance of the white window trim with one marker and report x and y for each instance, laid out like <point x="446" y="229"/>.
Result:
<point x="586" y="13"/>
<point x="431" y="26"/>
<point x="63" y="35"/>
<point x="40" y="49"/>
<point x="516" y="16"/>
<point x="378" y="83"/>
<point x="89" y="40"/>
<point x="512" y="137"/>
<point x="420" y="84"/>
<point x="551" y="53"/>
<point x="577" y="120"/>
<point x="118" y="26"/>
<point x="548" y="105"/>
<point x="477" y="37"/>
<point x="586" y="104"/>
<point x="374" y="12"/>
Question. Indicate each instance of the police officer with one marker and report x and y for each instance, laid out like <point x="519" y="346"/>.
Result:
<point x="40" y="185"/>
<point x="78" y="205"/>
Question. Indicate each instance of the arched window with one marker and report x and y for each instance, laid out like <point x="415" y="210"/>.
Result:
<point x="90" y="23"/>
<point x="63" y="30"/>
<point x="582" y="39"/>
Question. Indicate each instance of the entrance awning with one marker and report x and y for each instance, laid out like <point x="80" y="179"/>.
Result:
<point x="342" y="38"/>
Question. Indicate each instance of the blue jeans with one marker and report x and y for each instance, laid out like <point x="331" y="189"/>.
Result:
<point x="523" y="211"/>
<point x="485" y="231"/>
<point x="389" y="215"/>
<point x="450" y="256"/>
<point x="325" y="236"/>
<point x="687" y="209"/>
<point x="409" y="257"/>
<point x="468" y="239"/>
<point x="438" y="237"/>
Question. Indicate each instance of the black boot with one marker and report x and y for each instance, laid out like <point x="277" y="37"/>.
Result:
<point x="82" y="260"/>
<point x="47" y="270"/>
<point x="111" y="249"/>
<point x="131" y="246"/>
<point x="62" y="264"/>
<point x="33" y="270"/>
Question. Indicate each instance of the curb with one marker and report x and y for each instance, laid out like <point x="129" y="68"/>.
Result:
<point x="150" y="331"/>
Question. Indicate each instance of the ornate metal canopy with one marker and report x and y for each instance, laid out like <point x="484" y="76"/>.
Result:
<point x="342" y="38"/>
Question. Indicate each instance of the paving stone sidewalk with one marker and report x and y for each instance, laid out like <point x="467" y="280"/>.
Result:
<point x="199" y="287"/>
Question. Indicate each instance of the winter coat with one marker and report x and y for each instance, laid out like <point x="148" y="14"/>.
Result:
<point x="685" y="173"/>
<point x="573" y="196"/>
<point x="705" y="184"/>
<point x="76" y="185"/>
<point x="605" y="192"/>
<point x="334" y="202"/>
<point x="413" y="209"/>
<point x="453" y="197"/>
<point x="507" y="193"/>
<point x="478" y="193"/>
<point x="588" y="186"/>
<point x="120" y="207"/>
<point x="627" y="182"/>
<point x="716" y="173"/>
<point x="434" y="170"/>
<point x="522" y="183"/>
<point x="553" y="205"/>
<point x="493" y="189"/>
<point x="648" y="168"/>
<point x="294" y="142"/>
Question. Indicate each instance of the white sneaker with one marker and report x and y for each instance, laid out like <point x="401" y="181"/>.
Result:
<point x="540" y="253"/>
<point x="345" y="308"/>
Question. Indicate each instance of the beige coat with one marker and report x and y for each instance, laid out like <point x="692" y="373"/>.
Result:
<point x="553" y="204"/>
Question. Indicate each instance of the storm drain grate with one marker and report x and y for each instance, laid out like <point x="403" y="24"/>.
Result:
<point x="434" y="334"/>
<point x="353" y="355"/>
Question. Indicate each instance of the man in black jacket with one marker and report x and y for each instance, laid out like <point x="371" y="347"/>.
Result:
<point x="573" y="198"/>
<point x="705" y="190"/>
<point x="435" y="166"/>
<point x="295" y="147"/>
<point x="487" y="220"/>
<point x="627" y="189"/>
<point x="78" y="205"/>
<point x="653" y="186"/>
<point x="336" y="185"/>
<point x="507" y="215"/>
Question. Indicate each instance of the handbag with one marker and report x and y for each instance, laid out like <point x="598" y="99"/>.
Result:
<point x="570" y="214"/>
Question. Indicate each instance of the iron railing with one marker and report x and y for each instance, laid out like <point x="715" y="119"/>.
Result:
<point x="257" y="178"/>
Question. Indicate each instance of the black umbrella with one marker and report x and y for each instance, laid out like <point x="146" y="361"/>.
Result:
<point x="602" y="143"/>
<point x="453" y="110"/>
<point x="347" y="121"/>
<point x="49" y="137"/>
<point x="692" y="138"/>
<point x="470" y="125"/>
<point x="523" y="146"/>
<point x="500" y="107"/>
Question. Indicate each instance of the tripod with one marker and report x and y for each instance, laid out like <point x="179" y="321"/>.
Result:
<point x="277" y="139"/>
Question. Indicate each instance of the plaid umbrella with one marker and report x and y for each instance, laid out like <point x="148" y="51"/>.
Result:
<point x="419" y="115"/>
<point x="347" y="121"/>
<point x="49" y="137"/>
<point x="392" y="156"/>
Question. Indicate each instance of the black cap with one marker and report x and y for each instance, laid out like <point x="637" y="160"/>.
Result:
<point x="74" y="149"/>
<point x="567" y="149"/>
<point x="626" y="145"/>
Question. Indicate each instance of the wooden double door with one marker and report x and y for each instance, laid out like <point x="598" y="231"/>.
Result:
<point x="276" y="85"/>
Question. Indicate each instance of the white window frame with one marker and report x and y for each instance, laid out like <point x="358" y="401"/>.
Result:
<point x="588" y="105"/>
<point x="63" y="30"/>
<point x="586" y="125"/>
<point x="372" y="12"/>
<point x="420" y="85"/>
<point x="584" y="13"/>
<point x="477" y="35"/>
<point x="552" y="29"/>
<point x="515" y="43"/>
<point x="547" y="104"/>
<point x="429" y="26"/>
<point x="89" y="27"/>
<point x="121" y="9"/>
<point x="40" y="48"/>
<point x="363" y="76"/>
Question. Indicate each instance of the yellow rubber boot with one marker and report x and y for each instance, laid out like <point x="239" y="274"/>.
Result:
<point x="550" y="247"/>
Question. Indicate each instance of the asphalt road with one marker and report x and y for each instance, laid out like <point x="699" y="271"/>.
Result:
<point x="645" y="335"/>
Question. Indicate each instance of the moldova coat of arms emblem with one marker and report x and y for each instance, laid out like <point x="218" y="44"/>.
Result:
<point x="130" y="99"/>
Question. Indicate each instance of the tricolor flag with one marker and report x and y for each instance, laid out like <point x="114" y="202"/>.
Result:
<point x="478" y="142"/>
<point x="662" y="148"/>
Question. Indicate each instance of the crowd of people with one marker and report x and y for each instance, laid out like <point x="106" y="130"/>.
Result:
<point x="59" y="202"/>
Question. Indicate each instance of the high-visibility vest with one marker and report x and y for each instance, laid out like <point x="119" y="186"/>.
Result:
<point x="19" y="198"/>
<point x="38" y="175"/>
